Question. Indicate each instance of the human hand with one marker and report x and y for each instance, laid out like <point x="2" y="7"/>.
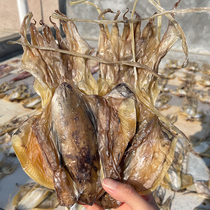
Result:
<point x="129" y="198"/>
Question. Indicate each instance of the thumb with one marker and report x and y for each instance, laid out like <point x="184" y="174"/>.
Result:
<point x="126" y="194"/>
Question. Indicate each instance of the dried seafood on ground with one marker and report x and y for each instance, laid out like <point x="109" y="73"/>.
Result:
<point x="12" y="124"/>
<point x="32" y="102"/>
<point x="172" y="117"/>
<point x="183" y="89"/>
<point x="21" y="76"/>
<point x="168" y="73"/>
<point x="189" y="108"/>
<point x="6" y="167"/>
<point x="189" y="78"/>
<point x="34" y="196"/>
<point x="162" y="82"/>
<point x="5" y="142"/>
<point x="6" y="86"/>
<point x="193" y="66"/>
<point x="205" y="81"/>
<point x="162" y="102"/>
<point x="177" y="177"/>
<point x="202" y="145"/>
<point x="202" y="189"/>
<point x="5" y="70"/>
<point x="204" y="96"/>
<point x="159" y="195"/>
<point x="19" y="93"/>
<point x="6" y="145"/>
<point x="5" y="138"/>
<point x="15" y="61"/>
<point x="173" y="64"/>
<point x="91" y="129"/>
<point x="206" y="68"/>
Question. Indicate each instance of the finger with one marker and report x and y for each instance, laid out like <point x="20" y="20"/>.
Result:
<point x="93" y="207"/>
<point x="126" y="194"/>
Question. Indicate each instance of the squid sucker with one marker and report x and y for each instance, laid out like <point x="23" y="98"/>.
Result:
<point x="90" y="129"/>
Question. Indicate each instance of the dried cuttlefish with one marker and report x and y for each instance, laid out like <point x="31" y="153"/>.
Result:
<point x="5" y="138"/>
<point x="19" y="93"/>
<point x="6" y="86"/>
<point x="12" y="124"/>
<point x="173" y="64"/>
<point x="32" y="102"/>
<point x="162" y="82"/>
<point x="177" y="177"/>
<point x="6" y="167"/>
<point x="168" y="73"/>
<point x="205" y="81"/>
<point x="202" y="145"/>
<point x="34" y="196"/>
<point x="204" y="96"/>
<point x="193" y="66"/>
<point x="92" y="129"/>
<point x="172" y="117"/>
<point x="20" y="76"/>
<point x="5" y="70"/>
<point x="183" y="89"/>
<point x="159" y="195"/>
<point x="188" y="77"/>
<point x="162" y="101"/>
<point x="206" y="68"/>
<point x="203" y="189"/>
<point x="15" y="61"/>
<point x="189" y="108"/>
<point x="5" y="143"/>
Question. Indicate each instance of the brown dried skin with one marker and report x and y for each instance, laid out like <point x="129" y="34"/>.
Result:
<point x="149" y="52"/>
<point x="103" y="85"/>
<point x="115" y="48"/>
<point x="62" y="181"/>
<point x="116" y="122"/>
<point x="116" y="125"/>
<point x="52" y="60"/>
<point x="122" y="122"/>
<point x="125" y="42"/>
<point x="50" y="68"/>
<point x="81" y="75"/>
<point x="75" y="135"/>
<point x="12" y="124"/>
<point x="30" y="155"/>
<point x="108" y="49"/>
<point x="151" y="55"/>
<point x="149" y="156"/>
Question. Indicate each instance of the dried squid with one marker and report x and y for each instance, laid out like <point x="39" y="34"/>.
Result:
<point x="92" y="129"/>
<point x="34" y="196"/>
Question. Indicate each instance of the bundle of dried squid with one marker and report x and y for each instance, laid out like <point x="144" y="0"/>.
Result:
<point x="92" y="129"/>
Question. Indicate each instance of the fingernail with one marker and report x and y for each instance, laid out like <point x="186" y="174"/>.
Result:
<point x="110" y="183"/>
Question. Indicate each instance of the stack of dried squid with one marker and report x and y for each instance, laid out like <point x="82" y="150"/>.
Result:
<point x="92" y="129"/>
